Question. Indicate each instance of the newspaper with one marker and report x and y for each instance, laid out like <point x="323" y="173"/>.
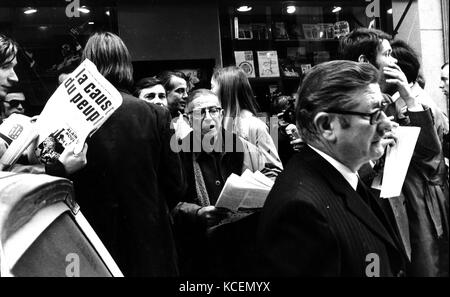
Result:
<point x="16" y="134"/>
<point x="397" y="161"/>
<point x="248" y="191"/>
<point x="78" y="107"/>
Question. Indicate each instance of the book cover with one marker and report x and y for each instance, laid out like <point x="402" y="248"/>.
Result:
<point x="268" y="64"/>
<point x="244" y="60"/>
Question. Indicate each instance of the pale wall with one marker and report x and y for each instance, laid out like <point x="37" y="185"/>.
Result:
<point x="422" y="29"/>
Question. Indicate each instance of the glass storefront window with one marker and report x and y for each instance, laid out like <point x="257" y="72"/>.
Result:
<point x="276" y="42"/>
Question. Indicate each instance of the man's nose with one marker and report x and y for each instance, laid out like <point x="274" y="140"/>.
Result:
<point x="12" y="77"/>
<point x="385" y="124"/>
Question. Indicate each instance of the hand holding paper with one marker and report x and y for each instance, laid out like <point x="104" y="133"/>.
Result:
<point x="247" y="191"/>
<point x="397" y="161"/>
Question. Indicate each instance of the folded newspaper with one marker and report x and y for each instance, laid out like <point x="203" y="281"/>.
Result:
<point x="248" y="191"/>
<point x="78" y="107"/>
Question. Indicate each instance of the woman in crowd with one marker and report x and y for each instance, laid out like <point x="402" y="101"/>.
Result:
<point x="238" y="102"/>
<point x="152" y="90"/>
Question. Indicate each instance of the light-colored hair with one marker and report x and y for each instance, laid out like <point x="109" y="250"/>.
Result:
<point x="112" y="58"/>
<point x="8" y="49"/>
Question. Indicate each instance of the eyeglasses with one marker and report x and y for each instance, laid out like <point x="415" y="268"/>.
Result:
<point x="373" y="116"/>
<point x="213" y="111"/>
<point x="153" y="95"/>
<point x="14" y="103"/>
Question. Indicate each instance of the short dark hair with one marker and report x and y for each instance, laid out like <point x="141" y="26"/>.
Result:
<point x="8" y="49"/>
<point x="112" y="58"/>
<point x="407" y="59"/>
<point x="166" y="79"/>
<point x="330" y="85"/>
<point x="362" y="41"/>
<point x="144" y="83"/>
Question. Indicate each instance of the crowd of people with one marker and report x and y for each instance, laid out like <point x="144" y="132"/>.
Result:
<point x="148" y="180"/>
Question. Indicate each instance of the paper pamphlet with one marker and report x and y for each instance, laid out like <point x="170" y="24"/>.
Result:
<point x="16" y="134"/>
<point x="246" y="191"/>
<point x="78" y="107"/>
<point x="397" y="161"/>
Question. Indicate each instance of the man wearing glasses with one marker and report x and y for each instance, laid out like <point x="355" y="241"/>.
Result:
<point x="13" y="103"/>
<point x="421" y="211"/>
<point x="209" y="155"/>
<point x="319" y="219"/>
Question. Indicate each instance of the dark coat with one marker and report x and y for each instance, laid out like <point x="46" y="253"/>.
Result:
<point x="195" y="252"/>
<point x="313" y="223"/>
<point x="422" y="210"/>
<point x="426" y="193"/>
<point x="131" y="176"/>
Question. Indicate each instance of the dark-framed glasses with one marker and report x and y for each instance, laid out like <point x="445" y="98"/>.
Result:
<point x="213" y="111"/>
<point x="374" y="117"/>
<point x="14" y="103"/>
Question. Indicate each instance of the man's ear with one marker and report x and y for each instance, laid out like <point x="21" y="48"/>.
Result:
<point x="363" y="58"/>
<point x="325" y="126"/>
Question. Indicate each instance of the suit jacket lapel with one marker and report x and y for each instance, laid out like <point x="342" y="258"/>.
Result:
<point x="351" y="198"/>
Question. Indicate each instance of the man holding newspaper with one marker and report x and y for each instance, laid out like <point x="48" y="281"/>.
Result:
<point x="213" y="160"/>
<point x="12" y="146"/>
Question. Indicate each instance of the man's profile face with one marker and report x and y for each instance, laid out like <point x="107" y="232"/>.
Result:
<point x="176" y="99"/>
<point x="13" y="103"/>
<point x="360" y="141"/>
<point x="444" y="80"/>
<point x="384" y="59"/>
<point x="207" y="110"/>
<point x="8" y="76"/>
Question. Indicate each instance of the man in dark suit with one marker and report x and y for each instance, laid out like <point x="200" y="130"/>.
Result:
<point x="319" y="219"/>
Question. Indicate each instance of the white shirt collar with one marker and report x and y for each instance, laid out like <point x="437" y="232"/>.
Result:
<point x="350" y="176"/>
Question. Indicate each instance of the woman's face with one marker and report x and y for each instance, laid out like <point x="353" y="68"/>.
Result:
<point x="155" y="95"/>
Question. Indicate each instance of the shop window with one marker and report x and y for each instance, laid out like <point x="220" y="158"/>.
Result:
<point x="276" y="42"/>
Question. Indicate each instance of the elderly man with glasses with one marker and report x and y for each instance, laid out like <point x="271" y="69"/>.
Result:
<point x="319" y="218"/>
<point x="210" y="154"/>
<point x="421" y="211"/>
